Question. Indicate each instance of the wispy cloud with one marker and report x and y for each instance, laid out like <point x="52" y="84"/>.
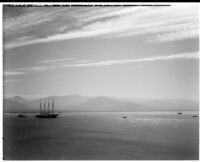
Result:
<point x="194" y="55"/>
<point x="176" y="35"/>
<point x="44" y="65"/>
<point x="56" y="63"/>
<point x="26" y="70"/>
<point x="57" y="60"/>
<point x="97" y="63"/>
<point x="47" y="24"/>
<point x="14" y="72"/>
<point x="11" y="81"/>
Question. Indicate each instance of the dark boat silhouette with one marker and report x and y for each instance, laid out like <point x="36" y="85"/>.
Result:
<point x="21" y="116"/>
<point x="194" y="116"/>
<point x="180" y="113"/>
<point x="47" y="113"/>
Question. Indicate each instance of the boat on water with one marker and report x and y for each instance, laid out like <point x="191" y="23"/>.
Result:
<point x="21" y="116"/>
<point x="194" y="116"/>
<point x="46" y="115"/>
<point x="180" y="113"/>
<point x="47" y="112"/>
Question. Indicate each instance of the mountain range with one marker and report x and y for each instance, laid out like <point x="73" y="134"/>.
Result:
<point x="97" y="104"/>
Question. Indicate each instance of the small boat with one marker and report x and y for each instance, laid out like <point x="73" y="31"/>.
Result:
<point x="47" y="113"/>
<point x="194" y="116"/>
<point x="21" y="116"/>
<point x="124" y="117"/>
<point x="180" y="113"/>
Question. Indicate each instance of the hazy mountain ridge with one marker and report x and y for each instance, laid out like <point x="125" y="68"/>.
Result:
<point x="166" y="104"/>
<point x="18" y="99"/>
<point x="10" y="105"/>
<point x="82" y="103"/>
<point x="108" y="104"/>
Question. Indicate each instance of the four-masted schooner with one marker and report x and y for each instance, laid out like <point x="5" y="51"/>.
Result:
<point x="47" y="112"/>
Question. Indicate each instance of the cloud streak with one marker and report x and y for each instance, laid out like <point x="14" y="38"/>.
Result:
<point x="11" y="81"/>
<point x="92" y="63"/>
<point x="44" y="65"/>
<point x="150" y="59"/>
<point x="57" y="60"/>
<point x="11" y="73"/>
<point x="49" y="24"/>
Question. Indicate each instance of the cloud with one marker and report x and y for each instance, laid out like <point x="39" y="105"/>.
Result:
<point x="26" y="70"/>
<point x="9" y="73"/>
<point x="50" y="24"/>
<point x="11" y="81"/>
<point x="194" y="55"/>
<point x="56" y="63"/>
<point x="177" y="35"/>
<point x="44" y="65"/>
<point x="57" y="60"/>
<point x="92" y="63"/>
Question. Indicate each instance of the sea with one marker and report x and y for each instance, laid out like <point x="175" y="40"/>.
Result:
<point x="102" y="136"/>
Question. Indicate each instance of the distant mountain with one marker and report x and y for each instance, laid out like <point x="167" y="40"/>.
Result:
<point x="62" y="103"/>
<point x="107" y="104"/>
<point x="81" y="103"/>
<point x="13" y="106"/>
<point x="18" y="99"/>
<point x="71" y="100"/>
<point x="167" y="104"/>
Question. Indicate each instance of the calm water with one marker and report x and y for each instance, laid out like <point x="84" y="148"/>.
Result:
<point x="100" y="136"/>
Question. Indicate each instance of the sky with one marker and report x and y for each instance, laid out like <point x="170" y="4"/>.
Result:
<point x="134" y="51"/>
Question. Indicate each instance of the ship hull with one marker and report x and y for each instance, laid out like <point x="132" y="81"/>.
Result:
<point x="46" y="115"/>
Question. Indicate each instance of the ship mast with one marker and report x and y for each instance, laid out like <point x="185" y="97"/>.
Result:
<point x="48" y="107"/>
<point x="53" y="105"/>
<point x="40" y="106"/>
<point x="44" y="107"/>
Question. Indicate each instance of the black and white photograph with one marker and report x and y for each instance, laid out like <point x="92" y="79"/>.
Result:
<point x="101" y="82"/>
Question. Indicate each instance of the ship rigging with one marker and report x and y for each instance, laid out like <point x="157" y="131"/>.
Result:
<point x="47" y="112"/>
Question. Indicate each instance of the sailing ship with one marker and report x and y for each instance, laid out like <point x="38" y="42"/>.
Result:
<point x="49" y="112"/>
